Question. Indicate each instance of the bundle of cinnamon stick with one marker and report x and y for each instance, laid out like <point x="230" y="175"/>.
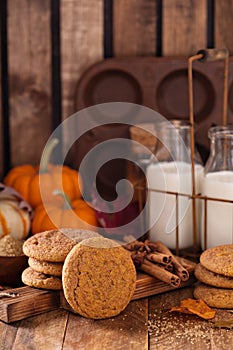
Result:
<point x="158" y="261"/>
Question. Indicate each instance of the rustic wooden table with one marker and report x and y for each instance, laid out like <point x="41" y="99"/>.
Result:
<point x="144" y="324"/>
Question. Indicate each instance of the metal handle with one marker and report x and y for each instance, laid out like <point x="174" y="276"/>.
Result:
<point x="206" y="55"/>
<point x="210" y="55"/>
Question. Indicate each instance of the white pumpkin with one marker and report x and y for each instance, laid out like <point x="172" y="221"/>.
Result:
<point x="14" y="220"/>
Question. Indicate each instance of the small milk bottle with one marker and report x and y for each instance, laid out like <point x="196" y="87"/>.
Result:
<point x="218" y="184"/>
<point x="171" y="171"/>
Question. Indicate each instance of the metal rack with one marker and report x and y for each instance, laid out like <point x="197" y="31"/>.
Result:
<point x="206" y="55"/>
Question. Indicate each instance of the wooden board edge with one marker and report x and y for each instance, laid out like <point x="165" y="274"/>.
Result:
<point x="29" y="302"/>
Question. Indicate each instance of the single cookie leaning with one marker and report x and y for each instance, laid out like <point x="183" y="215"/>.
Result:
<point x="52" y="246"/>
<point x="215" y="297"/>
<point x="219" y="259"/>
<point x="36" y="279"/>
<point x="99" y="278"/>
<point x="212" y="278"/>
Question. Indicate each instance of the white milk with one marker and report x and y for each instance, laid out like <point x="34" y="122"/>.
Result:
<point x="175" y="177"/>
<point x="219" y="215"/>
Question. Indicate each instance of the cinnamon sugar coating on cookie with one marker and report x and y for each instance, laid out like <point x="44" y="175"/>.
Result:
<point x="50" y="246"/>
<point x="219" y="259"/>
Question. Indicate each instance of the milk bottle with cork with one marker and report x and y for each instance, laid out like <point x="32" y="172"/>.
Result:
<point x="218" y="187"/>
<point x="171" y="171"/>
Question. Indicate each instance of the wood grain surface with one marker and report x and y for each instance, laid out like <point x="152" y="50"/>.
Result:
<point x="134" y="28"/>
<point x="27" y="302"/>
<point x="81" y="44"/>
<point x="223" y="23"/>
<point x="180" y="331"/>
<point x="144" y="324"/>
<point x="1" y="120"/>
<point x="29" y="51"/>
<point x="184" y="27"/>
<point x="136" y="32"/>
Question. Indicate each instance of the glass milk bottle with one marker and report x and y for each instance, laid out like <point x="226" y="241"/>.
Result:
<point x="218" y="184"/>
<point x="171" y="171"/>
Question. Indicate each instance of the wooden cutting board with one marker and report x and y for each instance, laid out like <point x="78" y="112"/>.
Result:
<point x="146" y="286"/>
<point x="29" y="301"/>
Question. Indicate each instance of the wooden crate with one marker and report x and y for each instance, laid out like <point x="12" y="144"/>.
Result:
<point x="47" y="45"/>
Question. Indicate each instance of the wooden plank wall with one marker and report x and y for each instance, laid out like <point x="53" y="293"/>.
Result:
<point x="50" y="43"/>
<point x="1" y="125"/>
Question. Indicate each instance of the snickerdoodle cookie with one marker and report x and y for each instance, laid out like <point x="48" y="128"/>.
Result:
<point x="36" y="279"/>
<point x="78" y="234"/>
<point x="99" y="278"/>
<point x="219" y="259"/>
<point x="52" y="246"/>
<point x="212" y="278"/>
<point x="215" y="297"/>
<point x="46" y="267"/>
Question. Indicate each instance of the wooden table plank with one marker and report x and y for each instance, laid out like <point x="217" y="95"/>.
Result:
<point x="180" y="331"/>
<point x="7" y="335"/>
<point x="62" y="330"/>
<point x="125" y="331"/>
<point x="43" y="332"/>
<point x="28" y="302"/>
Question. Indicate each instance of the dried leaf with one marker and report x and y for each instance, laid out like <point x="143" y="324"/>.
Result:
<point x="183" y="310"/>
<point x="197" y="307"/>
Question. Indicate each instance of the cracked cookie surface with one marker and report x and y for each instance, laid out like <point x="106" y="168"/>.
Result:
<point x="50" y="246"/>
<point x="215" y="297"/>
<point x="99" y="278"/>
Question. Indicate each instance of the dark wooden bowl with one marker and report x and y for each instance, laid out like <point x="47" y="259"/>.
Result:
<point x="11" y="268"/>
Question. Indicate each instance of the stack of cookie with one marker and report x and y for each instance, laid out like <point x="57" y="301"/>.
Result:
<point x="215" y="273"/>
<point x="97" y="275"/>
<point x="47" y="252"/>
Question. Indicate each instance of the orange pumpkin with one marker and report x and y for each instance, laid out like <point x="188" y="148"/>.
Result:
<point x="64" y="213"/>
<point x="37" y="183"/>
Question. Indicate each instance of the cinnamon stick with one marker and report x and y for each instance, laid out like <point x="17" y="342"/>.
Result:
<point x="159" y="258"/>
<point x="181" y="271"/>
<point x="190" y="265"/>
<point x="160" y="247"/>
<point x="169" y="267"/>
<point x="160" y="273"/>
<point x="156" y="259"/>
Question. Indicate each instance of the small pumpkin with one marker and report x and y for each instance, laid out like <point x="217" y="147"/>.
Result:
<point x="15" y="214"/>
<point x="35" y="183"/>
<point x="64" y="213"/>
